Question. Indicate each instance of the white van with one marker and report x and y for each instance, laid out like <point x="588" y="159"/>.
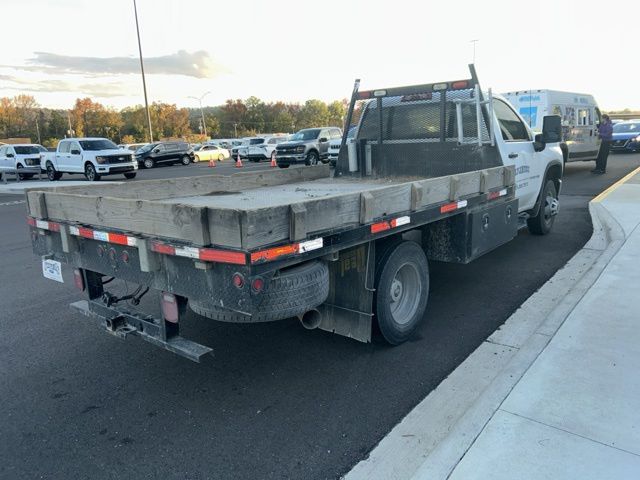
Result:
<point x="580" y="118"/>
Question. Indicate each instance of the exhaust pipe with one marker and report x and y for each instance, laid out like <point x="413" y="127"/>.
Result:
<point x="311" y="319"/>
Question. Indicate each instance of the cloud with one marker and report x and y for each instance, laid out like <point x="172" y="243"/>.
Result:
<point x="104" y="90"/>
<point x="197" y="64"/>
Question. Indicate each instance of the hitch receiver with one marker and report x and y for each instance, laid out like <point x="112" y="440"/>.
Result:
<point x="156" y="331"/>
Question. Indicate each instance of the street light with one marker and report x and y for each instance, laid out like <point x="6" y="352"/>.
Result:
<point x="144" y="83"/>
<point x="199" y="99"/>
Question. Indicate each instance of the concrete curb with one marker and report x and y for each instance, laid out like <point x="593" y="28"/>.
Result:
<point x="430" y="441"/>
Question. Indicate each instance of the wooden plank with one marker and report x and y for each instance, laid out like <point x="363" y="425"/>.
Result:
<point x="366" y="207"/>
<point x="226" y="227"/>
<point x="297" y="222"/>
<point x="178" y="221"/>
<point x="483" y="181"/>
<point x="454" y="187"/>
<point x="416" y="196"/>
<point x="191" y="186"/>
<point x="37" y="206"/>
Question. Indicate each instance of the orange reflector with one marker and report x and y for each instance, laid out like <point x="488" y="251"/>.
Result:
<point x="459" y="85"/>
<point x="118" y="238"/>
<point x="380" y="227"/>
<point x="273" y="253"/>
<point x="31" y="221"/>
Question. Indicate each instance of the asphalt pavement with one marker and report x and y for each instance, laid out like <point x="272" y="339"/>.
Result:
<point x="276" y="401"/>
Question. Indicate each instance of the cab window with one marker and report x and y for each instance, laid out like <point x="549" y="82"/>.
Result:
<point x="512" y="128"/>
<point x="64" y="147"/>
<point x="584" y="117"/>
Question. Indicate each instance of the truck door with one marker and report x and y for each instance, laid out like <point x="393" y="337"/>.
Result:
<point x="4" y="161"/>
<point x="62" y="157"/>
<point x="586" y="135"/>
<point x="75" y="158"/>
<point x="516" y="148"/>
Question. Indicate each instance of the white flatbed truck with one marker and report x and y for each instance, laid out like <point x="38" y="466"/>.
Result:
<point x="436" y="172"/>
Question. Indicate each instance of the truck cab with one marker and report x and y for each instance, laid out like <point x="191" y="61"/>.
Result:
<point x="93" y="157"/>
<point x="450" y="128"/>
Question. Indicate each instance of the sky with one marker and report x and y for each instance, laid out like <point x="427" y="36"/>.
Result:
<point x="292" y="51"/>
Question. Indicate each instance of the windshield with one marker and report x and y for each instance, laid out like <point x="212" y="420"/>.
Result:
<point x="41" y="148"/>
<point x="197" y="148"/>
<point x="29" y="149"/>
<point x="98" y="145"/>
<point x="309" y="134"/>
<point x="146" y="148"/>
<point x="256" y="141"/>
<point x="626" y="128"/>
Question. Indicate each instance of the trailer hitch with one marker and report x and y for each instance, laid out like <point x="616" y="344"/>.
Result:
<point x="159" y="332"/>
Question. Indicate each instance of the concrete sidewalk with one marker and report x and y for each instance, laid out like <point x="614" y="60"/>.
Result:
<point x="565" y="403"/>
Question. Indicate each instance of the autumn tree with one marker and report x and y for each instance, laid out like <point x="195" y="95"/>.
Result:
<point x="314" y="113"/>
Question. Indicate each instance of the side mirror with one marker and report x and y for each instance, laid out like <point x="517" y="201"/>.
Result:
<point x="538" y="143"/>
<point x="75" y="152"/>
<point x="156" y="150"/>
<point x="324" y="140"/>
<point x="551" y="129"/>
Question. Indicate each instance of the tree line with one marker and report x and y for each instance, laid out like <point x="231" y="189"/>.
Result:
<point x="22" y="116"/>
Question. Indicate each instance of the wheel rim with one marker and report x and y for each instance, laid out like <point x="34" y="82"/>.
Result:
<point x="185" y="160"/>
<point x="551" y="207"/>
<point x="405" y="292"/>
<point x="197" y="158"/>
<point x="220" y="157"/>
<point x="50" y="172"/>
<point x="90" y="172"/>
<point x="148" y="163"/>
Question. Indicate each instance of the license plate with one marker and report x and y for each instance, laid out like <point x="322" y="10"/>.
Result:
<point x="52" y="270"/>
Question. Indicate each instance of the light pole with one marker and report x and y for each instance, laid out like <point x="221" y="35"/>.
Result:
<point x="199" y="99"/>
<point x="474" y="49"/>
<point x="144" y="83"/>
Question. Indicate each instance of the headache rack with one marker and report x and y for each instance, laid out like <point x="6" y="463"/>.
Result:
<point x="429" y="130"/>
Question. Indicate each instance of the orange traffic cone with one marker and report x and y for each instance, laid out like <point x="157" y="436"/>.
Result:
<point x="273" y="159"/>
<point x="212" y="163"/>
<point x="239" y="162"/>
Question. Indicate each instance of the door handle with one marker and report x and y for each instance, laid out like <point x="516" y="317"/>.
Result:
<point x="513" y="155"/>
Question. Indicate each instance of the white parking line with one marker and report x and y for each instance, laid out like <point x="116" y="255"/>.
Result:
<point x="16" y="202"/>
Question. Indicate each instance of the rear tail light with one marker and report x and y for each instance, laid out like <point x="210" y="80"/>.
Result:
<point x="238" y="280"/>
<point x="78" y="279"/>
<point x="257" y="284"/>
<point x="169" y="304"/>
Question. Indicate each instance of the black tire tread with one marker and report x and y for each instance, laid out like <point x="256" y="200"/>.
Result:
<point x="294" y="292"/>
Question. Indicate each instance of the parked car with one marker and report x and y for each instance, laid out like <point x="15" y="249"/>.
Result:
<point x="207" y="152"/>
<point x="263" y="148"/>
<point x="21" y="155"/>
<point x="626" y="137"/>
<point x="164" y="152"/>
<point x="239" y="146"/>
<point x="94" y="157"/>
<point x="334" y="146"/>
<point x="132" y="146"/>
<point x="307" y="146"/>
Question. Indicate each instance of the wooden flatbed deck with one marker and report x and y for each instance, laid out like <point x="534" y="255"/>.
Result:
<point x="254" y="209"/>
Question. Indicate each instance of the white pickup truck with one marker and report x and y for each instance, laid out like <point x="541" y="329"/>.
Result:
<point x="93" y="157"/>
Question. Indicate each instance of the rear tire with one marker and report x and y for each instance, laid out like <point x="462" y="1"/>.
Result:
<point x="149" y="163"/>
<point x="130" y="175"/>
<point x="542" y="223"/>
<point x="402" y="291"/>
<point x="196" y="159"/>
<point x="186" y="160"/>
<point x="52" y="175"/>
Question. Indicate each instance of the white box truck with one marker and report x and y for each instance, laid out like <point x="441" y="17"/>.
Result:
<point x="580" y="117"/>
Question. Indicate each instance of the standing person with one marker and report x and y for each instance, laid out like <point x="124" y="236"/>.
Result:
<point x="605" y="132"/>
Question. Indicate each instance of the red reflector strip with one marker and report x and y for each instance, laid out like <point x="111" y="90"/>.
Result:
<point x="43" y="224"/>
<point x="85" y="232"/>
<point x="388" y="225"/>
<point x="211" y="255"/>
<point x="450" y="207"/>
<point x="118" y="238"/>
<point x="459" y="85"/>
<point x="163" y="248"/>
<point x="492" y="195"/>
<point x="380" y="227"/>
